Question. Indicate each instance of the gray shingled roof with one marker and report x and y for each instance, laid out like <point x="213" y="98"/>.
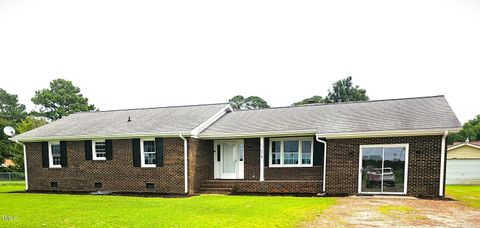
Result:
<point x="382" y="115"/>
<point x="163" y="120"/>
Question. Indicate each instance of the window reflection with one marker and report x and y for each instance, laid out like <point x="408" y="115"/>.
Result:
<point x="383" y="169"/>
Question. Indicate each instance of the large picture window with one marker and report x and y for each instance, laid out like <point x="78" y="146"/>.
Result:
<point x="290" y="152"/>
<point x="383" y="169"/>
<point x="148" y="153"/>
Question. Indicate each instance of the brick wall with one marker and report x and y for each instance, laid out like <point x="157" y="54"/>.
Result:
<point x="117" y="175"/>
<point x="200" y="163"/>
<point x="423" y="166"/>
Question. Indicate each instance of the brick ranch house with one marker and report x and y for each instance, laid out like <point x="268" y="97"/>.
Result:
<point x="375" y="147"/>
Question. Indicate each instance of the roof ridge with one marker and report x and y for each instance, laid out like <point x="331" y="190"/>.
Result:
<point x="147" y="108"/>
<point x="339" y="103"/>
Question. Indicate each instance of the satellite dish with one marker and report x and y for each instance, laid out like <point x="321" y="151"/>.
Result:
<point x="9" y="131"/>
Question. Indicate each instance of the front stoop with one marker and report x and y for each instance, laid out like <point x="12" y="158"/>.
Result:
<point x="216" y="187"/>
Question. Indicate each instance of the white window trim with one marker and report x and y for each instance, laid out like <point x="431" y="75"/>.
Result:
<point x="142" y="154"/>
<point x="282" y="152"/>
<point x="94" y="152"/>
<point x="405" y="187"/>
<point x="50" y="155"/>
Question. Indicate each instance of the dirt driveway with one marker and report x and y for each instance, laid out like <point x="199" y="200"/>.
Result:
<point x="397" y="212"/>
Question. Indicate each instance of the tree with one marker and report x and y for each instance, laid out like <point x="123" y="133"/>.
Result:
<point x="237" y="102"/>
<point x="8" y="149"/>
<point x="310" y="100"/>
<point x="15" y="151"/>
<point x="10" y="109"/>
<point x="61" y="99"/>
<point x="470" y="130"/>
<point x="344" y="91"/>
<point x="30" y="123"/>
<point x="11" y="113"/>
<point x="252" y="102"/>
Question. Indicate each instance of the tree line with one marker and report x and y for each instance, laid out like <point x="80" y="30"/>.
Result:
<point x="342" y="91"/>
<point x="62" y="98"/>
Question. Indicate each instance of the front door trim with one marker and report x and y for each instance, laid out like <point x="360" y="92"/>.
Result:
<point x="239" y="159"/>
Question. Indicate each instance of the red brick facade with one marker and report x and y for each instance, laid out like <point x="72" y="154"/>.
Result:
<point x="119" y="175"/>
<point x="116" y="175"/>
<point x="423" y="165"/>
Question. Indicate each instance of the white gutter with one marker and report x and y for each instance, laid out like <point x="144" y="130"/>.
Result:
<point x="24" y="163"/>
<point x="265" y="134"/>
<point x="105" y="136"/>
<point x="394" y="133"/>
<point x="324" y="161"/>
<point x="185" y="160"/>
<point x="442" y="164"/>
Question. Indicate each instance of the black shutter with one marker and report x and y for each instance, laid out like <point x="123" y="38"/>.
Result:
<point x="317" y="152"/>
<point x="63" y="154"/>
<point x="266" y="152"/>
<point x="88" y="149"/>
<point x="108" y="149"/>
<point x="45" y="163"/>
<point x="218" y="152"/>
<point x="159" y="151"/>
<point x="136" y="152"/>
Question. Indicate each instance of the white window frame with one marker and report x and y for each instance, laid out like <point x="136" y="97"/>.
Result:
<point x="94" y="150"/>
<point x="360" y="164"/>
<point x="142" y="153"/>
<point x="50" y="155"/>
<point x="282" y="141"/>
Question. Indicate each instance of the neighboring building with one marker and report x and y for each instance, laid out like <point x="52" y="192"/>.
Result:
<point x="7" y="163"/>
<point x="463" y="164"/>
<point x="376" y="147"/>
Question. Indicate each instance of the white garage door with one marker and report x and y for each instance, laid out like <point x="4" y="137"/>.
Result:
<point x="463" y="171"/>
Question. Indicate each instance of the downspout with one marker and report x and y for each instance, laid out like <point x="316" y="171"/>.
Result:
<point x="324" y="161"/>
<point x="24" y="163"/>
<point x="442" y="165"/>
<point x="185" y="160"/>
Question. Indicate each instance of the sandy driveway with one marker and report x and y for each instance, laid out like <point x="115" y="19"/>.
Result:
<point x="397" y="212"/>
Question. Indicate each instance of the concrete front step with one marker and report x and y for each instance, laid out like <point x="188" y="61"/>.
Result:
<point x="211" y="187"/>
<point x="216" y="190"/>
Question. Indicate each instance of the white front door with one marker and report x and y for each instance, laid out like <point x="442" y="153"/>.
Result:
<point x="229" y="160"/>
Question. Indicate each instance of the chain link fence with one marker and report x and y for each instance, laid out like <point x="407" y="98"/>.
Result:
<point x="12" y="176"/>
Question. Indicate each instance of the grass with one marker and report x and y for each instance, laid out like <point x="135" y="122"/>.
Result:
<point x="53" y="210"/>
<point x="400" y="211"/>
<point x="467" y="194"/>
<point x="393" y="209"/>
<point x="12" y="186"/>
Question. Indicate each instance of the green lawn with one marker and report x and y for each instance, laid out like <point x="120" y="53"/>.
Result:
<point x="53" y="210"/>
<point x="468" y="194"/>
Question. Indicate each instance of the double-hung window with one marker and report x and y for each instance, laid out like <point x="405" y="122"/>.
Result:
<point x="99" y="150"/>
<point x="148" y="153"/>
<point x="54" y="155"/>
<point x="291" y="152"/>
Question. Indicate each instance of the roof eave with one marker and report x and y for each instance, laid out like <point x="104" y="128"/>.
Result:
<point x="463" y="144"/>
<point x="258" y="134"/>
<point x="106" y="136"/>
<point x="392" y="133"/>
